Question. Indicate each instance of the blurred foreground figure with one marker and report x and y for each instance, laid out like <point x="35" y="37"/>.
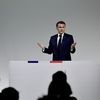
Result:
<point x="10" y="93"/>
<point x="59" y="89"/>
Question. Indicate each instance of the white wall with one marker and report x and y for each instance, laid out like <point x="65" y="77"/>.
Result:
<point x="23" y="23"/>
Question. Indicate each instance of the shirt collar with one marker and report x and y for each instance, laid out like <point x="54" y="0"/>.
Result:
<point x="62" y="34"/>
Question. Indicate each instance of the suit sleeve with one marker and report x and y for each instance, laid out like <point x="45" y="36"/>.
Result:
<point x="72" y="41"/>
<point x="48" y="50"/>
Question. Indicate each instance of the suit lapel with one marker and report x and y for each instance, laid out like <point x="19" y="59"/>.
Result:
<point x="56" y="40"/>
<point x="63" y="40"/>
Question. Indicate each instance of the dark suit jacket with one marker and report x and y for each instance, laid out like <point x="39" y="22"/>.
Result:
<point x="65" y="50"/>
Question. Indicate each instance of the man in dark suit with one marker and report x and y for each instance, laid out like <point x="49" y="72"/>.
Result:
<point x="61" y="44"/>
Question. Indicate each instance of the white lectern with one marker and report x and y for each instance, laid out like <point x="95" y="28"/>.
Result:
<point x="32" y="79"/>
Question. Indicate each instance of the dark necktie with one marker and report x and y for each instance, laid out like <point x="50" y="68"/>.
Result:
<point x="59" y="47"/>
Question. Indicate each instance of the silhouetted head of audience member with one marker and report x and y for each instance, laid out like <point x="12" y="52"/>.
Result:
<point x="59" y="76"/>
<point x="59" y="89"/>
<point x="10" y="93"/>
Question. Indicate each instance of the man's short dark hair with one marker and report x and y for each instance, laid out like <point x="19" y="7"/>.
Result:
<point x="60" y="22"/>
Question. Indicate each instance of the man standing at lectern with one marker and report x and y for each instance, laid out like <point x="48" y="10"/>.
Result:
<point x="61" y="44"/>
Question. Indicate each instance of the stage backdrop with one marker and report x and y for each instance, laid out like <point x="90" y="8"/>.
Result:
<point x="23" y="23"/>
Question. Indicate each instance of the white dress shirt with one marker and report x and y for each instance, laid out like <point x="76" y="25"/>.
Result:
<point x="59" y="38"/>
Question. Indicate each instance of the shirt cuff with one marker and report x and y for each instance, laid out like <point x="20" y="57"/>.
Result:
<point x="43" y="49"/>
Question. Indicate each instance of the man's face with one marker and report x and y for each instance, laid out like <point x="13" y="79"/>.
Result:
<point x="61" y="28"/>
